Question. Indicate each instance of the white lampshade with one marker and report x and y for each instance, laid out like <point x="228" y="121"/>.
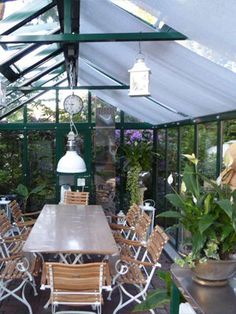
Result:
<point x="139" y="78"/>
<point x="71" y="162"/>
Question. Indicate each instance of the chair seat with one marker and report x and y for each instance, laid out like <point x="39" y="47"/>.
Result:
<point x="133" y="276"/>
<point x="11" y="272"/>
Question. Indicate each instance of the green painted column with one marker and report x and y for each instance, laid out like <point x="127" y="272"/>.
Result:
<point x="175" y="300"/>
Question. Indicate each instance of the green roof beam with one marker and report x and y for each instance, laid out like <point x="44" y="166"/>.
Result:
<point x="89" y="87"/>
<point x="109" y="37"/>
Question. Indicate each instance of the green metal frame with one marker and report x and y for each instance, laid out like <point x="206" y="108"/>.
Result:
<point x="76" y="38"/>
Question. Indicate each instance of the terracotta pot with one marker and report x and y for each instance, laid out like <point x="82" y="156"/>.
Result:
<point x="214" y="272"/>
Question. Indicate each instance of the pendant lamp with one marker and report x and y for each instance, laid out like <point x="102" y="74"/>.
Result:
<point x="139" y="77"/>
<point x="71" y="162"/>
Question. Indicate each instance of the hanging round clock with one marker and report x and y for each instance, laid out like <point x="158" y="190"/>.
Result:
<point x="73" y="104"/>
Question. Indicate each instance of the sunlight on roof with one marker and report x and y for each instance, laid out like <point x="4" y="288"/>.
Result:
<point x="136" y="10"/>
<point x="13" y="6"/>
<point x="208" y="54"/>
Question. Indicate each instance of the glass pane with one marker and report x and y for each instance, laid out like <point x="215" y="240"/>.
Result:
<point x="172" y="166"/>
<point x="11" y="6"/>
<point x="186" y="143"/>
<point x="99" y="103"/>
<point x="79" y="117"/>
<point x="15" y="117"/>
<point x="11" y="151"/>
<point x="128" y="118"/>
<point x="43" y="108"/>
<point x="229" y="134"/>
<point x="207" y="141"/>
<point x="161" y="179"/>
<point x="43" y="24"/>
<point x="35" y="56"/>
<point x="105" y="157"/>
<point x="42" y="165"/>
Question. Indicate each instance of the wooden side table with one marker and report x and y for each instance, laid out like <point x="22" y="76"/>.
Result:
<point x="203" y="299"/>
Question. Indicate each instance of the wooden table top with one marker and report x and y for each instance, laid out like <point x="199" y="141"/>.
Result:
<point x="71" y="229"/>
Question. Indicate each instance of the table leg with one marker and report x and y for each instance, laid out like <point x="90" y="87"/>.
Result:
<point x="175" y="300"/>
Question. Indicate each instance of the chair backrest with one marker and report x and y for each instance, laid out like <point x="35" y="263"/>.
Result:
<point x="15" y="211"/>
<point x="5" y="226"/>
<point x="141" y="227"/>
<point x="133" y="215"/>
<point x="77" y="284"/>
<point x="156" y="243"/>
<point x="77" y="198"/>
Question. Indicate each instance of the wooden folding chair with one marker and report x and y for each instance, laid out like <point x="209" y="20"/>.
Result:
<point x="22" y="221"/>
<point x="138" y="272"/>
<point x="10" y="243"/>
<point x="77" y="198"/>
<point x="130" y="218"/>
<point x="136" y="232"/>
<point x="15" y="274"/>
<point x="76" y="285"/>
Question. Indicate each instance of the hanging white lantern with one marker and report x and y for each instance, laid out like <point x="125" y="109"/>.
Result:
<point x="139" y="78"/>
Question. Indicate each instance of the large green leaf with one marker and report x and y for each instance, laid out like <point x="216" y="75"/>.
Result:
<point x="176" y="200"/>
<point x="198" y="241"/>
<point x="154" y="299"/>
<point x="38" y="189"/>
<point x="22" y="190"/>
<point x="226" y="206"/>
<point x="190" y="180"/>
<point x="205" y="222"/>
<point x="170" y="214"/>
<point x="226" y="232"/>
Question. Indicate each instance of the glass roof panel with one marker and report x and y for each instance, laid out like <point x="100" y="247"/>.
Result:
<point x="36" y="56"/>
<point x="43" y="24"/>
<point x="11" y="6"/>
<point x="15" y="12"/>
<point x="58" y="78"/>
<point x="136" y="10"/>
<point x="48" y="77"/>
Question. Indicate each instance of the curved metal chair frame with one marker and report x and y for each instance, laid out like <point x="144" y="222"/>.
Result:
<point x="19" y="271"/>
<point x="138" y="272"/>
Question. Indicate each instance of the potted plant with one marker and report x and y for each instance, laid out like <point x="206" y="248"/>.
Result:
<point x="139" y="156"/>
<point x="207" y="211"/>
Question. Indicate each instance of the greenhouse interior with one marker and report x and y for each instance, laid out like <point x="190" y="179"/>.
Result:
<point x="118" y="129"/>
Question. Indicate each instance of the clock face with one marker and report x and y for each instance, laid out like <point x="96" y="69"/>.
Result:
<point x="73" y="104"/>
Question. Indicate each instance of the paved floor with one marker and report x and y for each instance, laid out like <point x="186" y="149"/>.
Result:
<point x="12" y="306"/>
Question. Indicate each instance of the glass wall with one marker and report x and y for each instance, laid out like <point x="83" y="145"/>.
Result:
<point x="41" y="163"/>
<point x="207" y="149"/>
<point x="11" y="161"/>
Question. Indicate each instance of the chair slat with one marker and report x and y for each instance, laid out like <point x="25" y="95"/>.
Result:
<point x="79" y="198"/>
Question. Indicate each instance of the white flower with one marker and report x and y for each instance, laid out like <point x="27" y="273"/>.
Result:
<point x="194" y="200"/>
<point x="228" y="159"/>
<point x="183" y="187"/>
<point x="170" y="179"/>
<point x="191" y="158"/>
<point x="218" y="180"/>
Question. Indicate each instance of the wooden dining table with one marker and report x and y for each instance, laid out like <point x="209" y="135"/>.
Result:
<point x="71" y="229"/>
